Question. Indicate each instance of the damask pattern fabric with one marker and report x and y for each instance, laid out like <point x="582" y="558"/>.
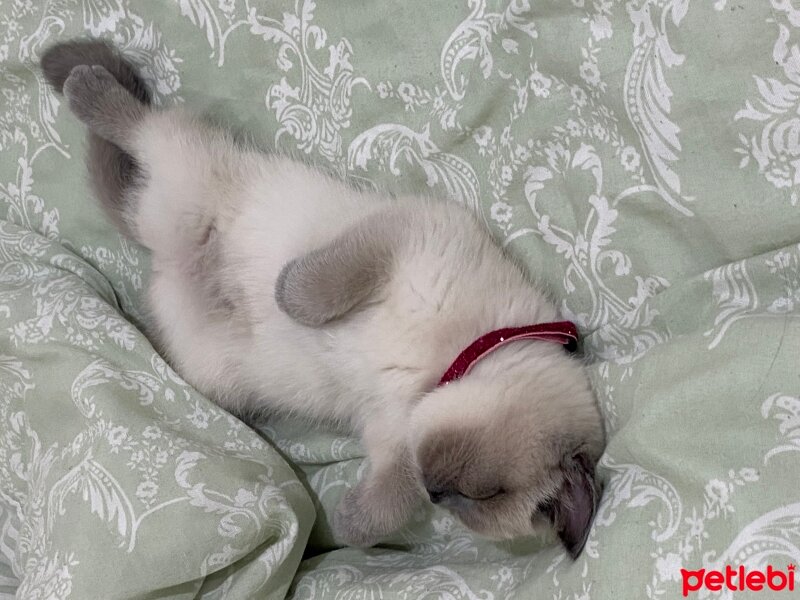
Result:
<point x="640" y="157"/>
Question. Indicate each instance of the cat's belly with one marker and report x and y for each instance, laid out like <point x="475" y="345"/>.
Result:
<point x="273" y="364"/>
<point x="254" y="355"/>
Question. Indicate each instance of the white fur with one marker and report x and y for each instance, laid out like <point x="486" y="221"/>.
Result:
<point x="375" y="370"/>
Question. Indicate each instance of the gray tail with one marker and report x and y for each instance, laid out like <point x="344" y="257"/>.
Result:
<point x="112" y="172"/>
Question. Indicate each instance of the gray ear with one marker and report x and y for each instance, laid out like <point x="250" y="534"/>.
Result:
<point x="573" y="508"/>
<point x="329" y="282"/>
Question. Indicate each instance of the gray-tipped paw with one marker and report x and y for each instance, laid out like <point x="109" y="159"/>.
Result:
<point x="88" y="90"/>
<point x="100" y="101"/>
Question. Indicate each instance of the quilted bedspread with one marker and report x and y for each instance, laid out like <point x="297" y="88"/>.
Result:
<point x="640" y="157"/>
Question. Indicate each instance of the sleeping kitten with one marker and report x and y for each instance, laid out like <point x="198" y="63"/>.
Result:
<point x="275" y="286"/>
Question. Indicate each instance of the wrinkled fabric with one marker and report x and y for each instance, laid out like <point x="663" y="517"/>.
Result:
<point x="641" y="158"/>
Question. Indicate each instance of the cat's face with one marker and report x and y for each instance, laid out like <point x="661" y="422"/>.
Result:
<point x="508" y="473"/>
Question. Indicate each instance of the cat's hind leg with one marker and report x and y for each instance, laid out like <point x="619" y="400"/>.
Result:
<point x="113" y="172"/>
<point x="107" y="108"/>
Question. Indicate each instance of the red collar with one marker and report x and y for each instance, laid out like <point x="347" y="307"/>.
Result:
<point x="561" y="332"/>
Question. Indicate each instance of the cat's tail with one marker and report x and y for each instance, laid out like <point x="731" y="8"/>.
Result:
<point x="112" y="171"/>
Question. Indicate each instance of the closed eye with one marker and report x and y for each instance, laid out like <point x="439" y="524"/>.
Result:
<point x="488" y="496"/>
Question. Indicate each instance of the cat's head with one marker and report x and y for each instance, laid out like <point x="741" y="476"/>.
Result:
<point x="512" y="453"/>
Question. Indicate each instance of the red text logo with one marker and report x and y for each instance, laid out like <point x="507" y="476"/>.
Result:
<point x="738" y="580"/>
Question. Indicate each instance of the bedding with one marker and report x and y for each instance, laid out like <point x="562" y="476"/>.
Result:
<point x="641" y="158"/>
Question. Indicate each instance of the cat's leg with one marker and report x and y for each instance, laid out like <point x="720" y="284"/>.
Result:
<point x="186" y="165"/>
<point x="386" y="497"/>
<point x="107" y="108"/>
<point x="113" y="173"/>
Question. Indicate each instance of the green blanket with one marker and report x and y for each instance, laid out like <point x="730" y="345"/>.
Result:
<point x="640" y="157"/>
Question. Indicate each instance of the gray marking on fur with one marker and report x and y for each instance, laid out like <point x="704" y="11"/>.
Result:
<point x="104" y="106"/>
<point x="327" y="283"/>
<point x="59" y="60"/>
<point x="112" y="176"/>
<point x="112" y="172"/>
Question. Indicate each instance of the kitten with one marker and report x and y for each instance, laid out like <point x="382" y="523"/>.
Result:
<point x="275" y="286"/>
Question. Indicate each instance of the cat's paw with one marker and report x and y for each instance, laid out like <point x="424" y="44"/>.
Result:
<point x="377" y="507"/>
<point x="88" y="90"/>
<point x="355" y="523"/>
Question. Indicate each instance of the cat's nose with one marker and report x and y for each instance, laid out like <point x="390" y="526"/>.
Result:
<point x="437" y="496"/>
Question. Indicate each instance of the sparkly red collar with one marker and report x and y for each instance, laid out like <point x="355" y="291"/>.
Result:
<point x="561" y="332"/>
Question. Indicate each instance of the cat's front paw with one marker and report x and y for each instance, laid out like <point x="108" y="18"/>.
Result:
<point x="355" y="522"/>
<point x="377" y="507"/>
